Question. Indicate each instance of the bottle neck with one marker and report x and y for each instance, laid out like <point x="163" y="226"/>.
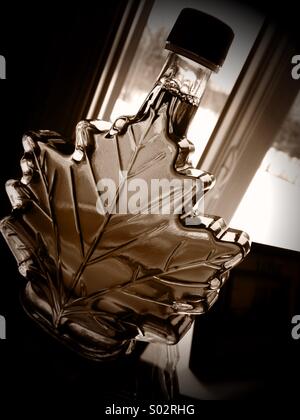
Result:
<point x="177" y="93"/>
<point x="184" y="78"/>
<point x="179" y="89"/>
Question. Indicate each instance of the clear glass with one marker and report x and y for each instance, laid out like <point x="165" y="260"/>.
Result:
<point x="106" y="270"/>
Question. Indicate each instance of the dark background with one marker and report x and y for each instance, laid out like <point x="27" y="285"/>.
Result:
<point x="243" y="349"/>
<point x="54" y="56"/>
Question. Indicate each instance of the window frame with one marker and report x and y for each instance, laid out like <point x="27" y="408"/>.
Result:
<point x="253" y="114"/>
<point x="118" y="63"/>
<point x="242" y="134"/>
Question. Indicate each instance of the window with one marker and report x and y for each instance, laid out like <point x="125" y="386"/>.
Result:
<point x="270" y="208"/>
<point x="138" y="74"/>
<point x="150" y="56"/>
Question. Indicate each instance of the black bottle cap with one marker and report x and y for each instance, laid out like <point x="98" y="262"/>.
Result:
<point x="200" y="37"/>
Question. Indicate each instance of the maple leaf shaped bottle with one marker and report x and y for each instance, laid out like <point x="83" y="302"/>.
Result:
<point x="108" y="231"/>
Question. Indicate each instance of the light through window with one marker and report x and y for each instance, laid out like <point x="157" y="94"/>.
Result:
<point x="150" y="56"/>
<point x="270" y="208"/>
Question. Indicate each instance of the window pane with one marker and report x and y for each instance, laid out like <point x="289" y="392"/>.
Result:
<point x="270" y="208"/>
<point x="151" y="55"/>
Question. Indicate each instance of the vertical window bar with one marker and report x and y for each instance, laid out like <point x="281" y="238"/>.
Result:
<point x="118" y="63"/>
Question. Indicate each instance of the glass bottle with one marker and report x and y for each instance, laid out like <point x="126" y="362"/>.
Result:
<point x="109" y="231"/>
